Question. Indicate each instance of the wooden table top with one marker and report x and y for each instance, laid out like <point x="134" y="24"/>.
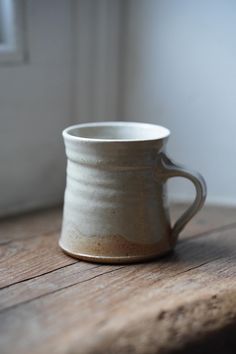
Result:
<point x="182" y="303"/>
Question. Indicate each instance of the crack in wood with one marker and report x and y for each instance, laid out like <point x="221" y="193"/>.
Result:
<point x="63" y="288"/>
<point x="42" y="274"/>
<point x="98" y="275"/>
<point x="186" y="241"/>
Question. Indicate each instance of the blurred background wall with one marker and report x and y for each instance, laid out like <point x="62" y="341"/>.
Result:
<point x="168" y="62"/>
<point x="35" y="105"/>
<point x="181" y="72"/>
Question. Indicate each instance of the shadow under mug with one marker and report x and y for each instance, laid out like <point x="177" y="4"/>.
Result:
<point x="115" y="205"/>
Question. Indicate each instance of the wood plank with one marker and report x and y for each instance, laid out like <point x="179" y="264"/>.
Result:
<point x="84" y="316"/>
<point x="54" y="279"/>
<point x="104" y="293"/>
<point x="22" y="258"/>
<point x="172" y="329"/>
<point x="209" y="218"/>
<point x="12" y="259"/>
<point x="30" y="225"/>
<point x="27" y="258"/>
<point x="51" y="282"/>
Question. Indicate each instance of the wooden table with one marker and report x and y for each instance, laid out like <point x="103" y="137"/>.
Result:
<point x="183" y="303"/>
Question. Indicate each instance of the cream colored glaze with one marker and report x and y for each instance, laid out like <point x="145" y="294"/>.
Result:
<point x="115" y="199"/>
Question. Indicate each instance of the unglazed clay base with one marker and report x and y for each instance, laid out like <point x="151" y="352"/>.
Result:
<point x="110" y="248"/>
<point x="113" y="259"/>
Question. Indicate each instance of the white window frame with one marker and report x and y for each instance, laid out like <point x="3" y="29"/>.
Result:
<point x="11" y="45"/>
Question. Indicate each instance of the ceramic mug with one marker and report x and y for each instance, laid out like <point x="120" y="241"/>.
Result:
<point x="115" y="206"/>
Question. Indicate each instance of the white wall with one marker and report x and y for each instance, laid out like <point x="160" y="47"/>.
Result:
<point x="35" y="105"/>
<point x="98" y="28"/>
<point x="181" y="72"/>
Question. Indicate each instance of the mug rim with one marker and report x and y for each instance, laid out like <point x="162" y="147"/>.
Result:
<point x="68" y="136"/>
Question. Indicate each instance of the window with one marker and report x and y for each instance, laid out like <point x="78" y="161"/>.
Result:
<point x="11" y="33"/>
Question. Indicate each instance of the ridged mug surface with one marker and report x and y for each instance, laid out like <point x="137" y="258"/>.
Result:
<point x="115" y="206"/>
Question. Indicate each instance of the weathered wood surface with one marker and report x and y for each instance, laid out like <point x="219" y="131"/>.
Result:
<point x="51" y="303"/>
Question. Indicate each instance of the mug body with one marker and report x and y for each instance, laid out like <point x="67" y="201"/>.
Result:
<point x="115" y="207"/>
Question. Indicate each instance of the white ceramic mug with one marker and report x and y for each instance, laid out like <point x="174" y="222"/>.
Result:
<point x="115" y="207"/>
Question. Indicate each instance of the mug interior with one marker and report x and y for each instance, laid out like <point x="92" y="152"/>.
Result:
<point x="116" y="131"/>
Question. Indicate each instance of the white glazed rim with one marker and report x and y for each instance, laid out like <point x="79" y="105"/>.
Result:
<point x="162" y="131"/>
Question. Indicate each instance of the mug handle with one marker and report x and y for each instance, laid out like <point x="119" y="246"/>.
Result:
<point x="170" y="169"/>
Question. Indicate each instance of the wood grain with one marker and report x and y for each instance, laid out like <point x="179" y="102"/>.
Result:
<point x="30" y="225"/>
<point x="208" y="219"/>
<point x="25" y="259"/>
<point x="52" y="303"/>
<point x="183" y="259"/>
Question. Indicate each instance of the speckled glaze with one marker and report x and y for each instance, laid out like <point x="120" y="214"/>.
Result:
<point x="115" y="207"/>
